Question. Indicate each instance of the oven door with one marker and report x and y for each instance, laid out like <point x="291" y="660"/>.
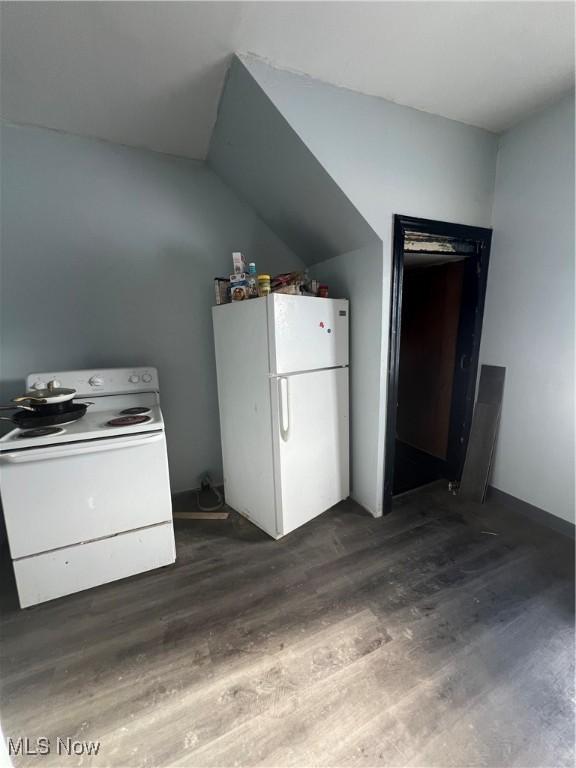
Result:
<point x="76" y="492"/>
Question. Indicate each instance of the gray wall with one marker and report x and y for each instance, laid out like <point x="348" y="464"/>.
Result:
<point x="357" y="275"/>
<point x="386" y="159"/>
<point x="108" y="258"/>
<point x="391" y="159"/>
<point x="262" y="158"/>
<point x="529" y="316"/>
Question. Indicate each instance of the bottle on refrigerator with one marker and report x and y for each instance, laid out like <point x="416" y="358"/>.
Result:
<point x="252" y="281"/>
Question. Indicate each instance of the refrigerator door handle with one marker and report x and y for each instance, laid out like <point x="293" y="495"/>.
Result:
<point x="284" y="402"/>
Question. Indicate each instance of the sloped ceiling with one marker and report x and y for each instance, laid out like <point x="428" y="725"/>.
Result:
<point x="266" y="163"/>
<point x="150" y="73"/>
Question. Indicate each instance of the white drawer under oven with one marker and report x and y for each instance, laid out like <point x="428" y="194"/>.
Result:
<point x="72" y="569"/>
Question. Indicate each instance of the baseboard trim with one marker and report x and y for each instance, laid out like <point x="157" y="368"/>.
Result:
<point x="536" y="514"/>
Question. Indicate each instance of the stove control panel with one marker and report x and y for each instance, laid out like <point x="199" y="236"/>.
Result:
<point x="105" y="381"/>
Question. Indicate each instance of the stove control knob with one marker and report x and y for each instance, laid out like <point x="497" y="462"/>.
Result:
<point x="96" y="381"/>
<point x="39" y="385"/>
<point x="134" y="379"/>
<point x="54" y="384"/>
<point x="146" y="378"/>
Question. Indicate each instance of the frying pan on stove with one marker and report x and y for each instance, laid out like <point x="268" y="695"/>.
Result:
<point x="30" y="418"/>
<point x="45" y="408"/>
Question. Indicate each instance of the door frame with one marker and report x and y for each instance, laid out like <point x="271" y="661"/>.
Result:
<point x="468" y="345"/>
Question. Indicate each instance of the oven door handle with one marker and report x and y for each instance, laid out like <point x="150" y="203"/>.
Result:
<point x="94" y="446"/>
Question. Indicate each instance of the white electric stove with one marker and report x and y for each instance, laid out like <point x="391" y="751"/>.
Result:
<point x="88" y="502"/>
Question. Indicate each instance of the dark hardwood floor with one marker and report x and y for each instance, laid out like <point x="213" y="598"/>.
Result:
<point x="414" y="468"/>
<point x="420" y="639"/>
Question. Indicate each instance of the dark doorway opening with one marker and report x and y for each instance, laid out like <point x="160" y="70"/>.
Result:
<point x="438" y="287"/>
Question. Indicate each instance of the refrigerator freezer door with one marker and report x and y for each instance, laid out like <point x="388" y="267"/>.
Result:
<point x="307" y="333"/>
<point x="311" y="444"/>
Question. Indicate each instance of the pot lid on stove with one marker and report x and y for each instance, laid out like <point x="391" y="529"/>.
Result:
<point x="52" y="394"/>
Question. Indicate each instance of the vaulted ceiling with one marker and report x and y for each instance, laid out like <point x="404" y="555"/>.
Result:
<point x="150" y="73"/>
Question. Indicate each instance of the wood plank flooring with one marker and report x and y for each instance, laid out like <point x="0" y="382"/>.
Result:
<point x="420" y="639"/>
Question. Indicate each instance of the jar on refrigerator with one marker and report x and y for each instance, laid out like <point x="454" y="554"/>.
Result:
<point x="264" y="285"/>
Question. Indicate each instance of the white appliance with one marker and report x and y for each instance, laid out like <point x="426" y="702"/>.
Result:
<point x="89" y="502"/>
<point x="282" y="365"/>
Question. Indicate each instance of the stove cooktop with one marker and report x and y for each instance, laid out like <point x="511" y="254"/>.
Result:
<point x="129" y="414"/>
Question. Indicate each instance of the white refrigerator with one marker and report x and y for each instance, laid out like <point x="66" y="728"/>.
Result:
<point x="282" y="368"/>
